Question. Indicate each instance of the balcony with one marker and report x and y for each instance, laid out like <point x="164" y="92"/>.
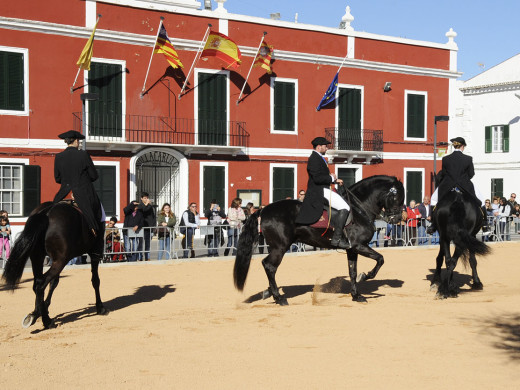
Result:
<point x="124" y="132"/>
<point x="355" y="145"/>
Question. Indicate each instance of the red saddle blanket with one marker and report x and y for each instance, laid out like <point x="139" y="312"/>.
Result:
<point x="323" y="222"/>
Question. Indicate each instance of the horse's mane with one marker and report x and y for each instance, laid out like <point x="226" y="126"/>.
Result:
<point x="366" y="186"/>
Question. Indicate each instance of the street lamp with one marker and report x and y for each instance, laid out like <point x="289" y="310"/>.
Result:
<point x="437" y="118"/>
<point x="84" y="97"/>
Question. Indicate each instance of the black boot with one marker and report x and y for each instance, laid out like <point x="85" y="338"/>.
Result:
<point x="338" y="238"/>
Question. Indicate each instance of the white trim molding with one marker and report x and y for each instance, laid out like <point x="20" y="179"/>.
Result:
<point x="271" y="108"/>
<point x="279" y="165"/>
<point x="425" y="94"/>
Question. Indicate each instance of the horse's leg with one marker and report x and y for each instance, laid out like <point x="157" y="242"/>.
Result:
<point x="436" y="280"/>
<point x="352" y="271"/>
<point x="37" y="259"/>
<point x="271" y="263"/>
<point x="477" y="284"/>
<point x="366" y="251"/>
<point x="449" y="289"/>
<point x="52" y="287"/>
<point x="94" y="264"/>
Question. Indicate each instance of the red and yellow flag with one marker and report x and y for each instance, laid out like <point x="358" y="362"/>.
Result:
<point x="164" y="45"/>
<point x="264" y="56"/>
<point x="221" y="46"/>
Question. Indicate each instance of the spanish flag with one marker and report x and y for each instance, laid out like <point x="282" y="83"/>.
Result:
<point x="221" y="46"/>
<point x="86" y="54"/>
<point x="163" y="45"/>
<point x="263" y="58"/>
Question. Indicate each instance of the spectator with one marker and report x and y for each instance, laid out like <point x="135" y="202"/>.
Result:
<point x="490" y="217"/>
<point x="413" y="217"/>
<point x="111" y="231"/>
<point x="512" y="200"/>
<point x="503" y="212"/>
<point x="250" y="209"/>
<point x="5" y="233"/>
<point x="149" y="221"/>
<point x="190" y="221"/>
<point x="133" y="229"/>
<point x="516" y="211"/>
<point x="216" y="217"/>
<point x="425" y="209"/>
<point x="301" y="195"/>
<point x="235" y="217"/>
<point x="117" y="249"/>
<point x="165" y="223"/>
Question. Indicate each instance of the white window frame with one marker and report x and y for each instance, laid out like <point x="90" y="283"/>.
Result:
<point x="497" y="139"/>
<point x="285" y="80"/>
<point x="422" y="170"/>
<point x="357" y="167"/>
<point x="18" y="162"/>
<point x="277" y="165"/>
<point x="25" y="53"/>
<point x="226" y="204"/>
<point x="411" y="92"/>
<point x="123" y="93"/>
<point x="196" y="100"/>
<point x="115" y="164"/>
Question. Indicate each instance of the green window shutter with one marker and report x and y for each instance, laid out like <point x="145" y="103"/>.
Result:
<point x="213" y="186"/>
<point x="284" y="105"/>
<point x="105" y="187"/>
<point x="413" y="186"/>
<point x="283" y="183"/>
<point x="488" y="140"/>
<point x="105" y="114"/>
<point x="415" y="116"/>
<point x="212" y="109"/>
<point x="497" y="187"/>
<point x="349" y="119"/>
<point x="31" y="188"/>
<point x="505" y="139"/>
<point x="11" y="81"/>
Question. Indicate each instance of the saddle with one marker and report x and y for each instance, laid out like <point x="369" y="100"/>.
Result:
<point x="323" y="222"/>
<point x="72" y="203"/>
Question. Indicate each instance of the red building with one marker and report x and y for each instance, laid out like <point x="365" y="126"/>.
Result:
<point x="205" y="145"/>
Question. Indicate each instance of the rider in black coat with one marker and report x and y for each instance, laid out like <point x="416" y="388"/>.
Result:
<point x="75" y="171"/>
<point x="320" y="179"/>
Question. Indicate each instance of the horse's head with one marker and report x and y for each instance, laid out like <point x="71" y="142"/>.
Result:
<point x="391" y="202"/>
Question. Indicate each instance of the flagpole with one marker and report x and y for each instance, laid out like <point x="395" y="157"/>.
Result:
<point x="79" y="70"/>
<point x="203" y="42"/>
<point x="253" y="63"/>
<point x="150" y="63"/>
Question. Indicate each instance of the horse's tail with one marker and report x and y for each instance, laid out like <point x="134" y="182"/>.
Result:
<point x="32" y="235"/>
<point x="463" y="239"/>
<point x="246" y="242"/>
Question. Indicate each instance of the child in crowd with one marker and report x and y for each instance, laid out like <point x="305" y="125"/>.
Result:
<point x="5" y="233"/>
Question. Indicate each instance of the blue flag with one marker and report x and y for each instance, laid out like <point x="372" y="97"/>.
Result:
<point x="330" y="95"/>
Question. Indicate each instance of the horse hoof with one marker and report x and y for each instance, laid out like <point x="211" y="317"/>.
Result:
<point x="359" y="298"/>
<point x="29" y="320"/>
<point x="361" y="277"/>
<point x="434" y="287"/>
<point x="103" y="311"/>
<point x="48" y="324"/>
<point x="282" y="301"/>
<point x="266" y="294"/>
<point x="477" y="286"/>
<point x="440" y="296"/>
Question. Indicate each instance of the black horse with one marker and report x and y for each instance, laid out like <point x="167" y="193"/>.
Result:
<point x="367" y="199"/>
<point x="458" y="218"/>
<point x="60" y="231"/>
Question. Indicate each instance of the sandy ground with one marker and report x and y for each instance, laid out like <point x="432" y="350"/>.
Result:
<point x="184" y="326"/>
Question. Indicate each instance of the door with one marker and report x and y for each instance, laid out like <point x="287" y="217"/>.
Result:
<point x="212" y="109"/>
<point x="349" y="119"/>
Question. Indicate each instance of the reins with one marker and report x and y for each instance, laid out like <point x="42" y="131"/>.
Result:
<point x="330" y="210"/>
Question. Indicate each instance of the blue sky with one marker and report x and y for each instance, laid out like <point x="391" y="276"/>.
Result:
<point x="488" y="32"/>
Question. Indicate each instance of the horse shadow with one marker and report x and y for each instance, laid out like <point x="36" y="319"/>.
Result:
<point x="458" y="278"/>
<point x="337" y="285"/>
<point x="505" y="331"/>
<point x="143" y="294"/>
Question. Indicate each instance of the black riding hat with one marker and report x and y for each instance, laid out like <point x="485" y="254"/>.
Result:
<point x="320" y="141"/>
<point x="458" y="141"/>
<point x="71" y="134"/>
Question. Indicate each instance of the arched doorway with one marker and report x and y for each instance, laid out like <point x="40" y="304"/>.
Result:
<point x="158" y="173"/>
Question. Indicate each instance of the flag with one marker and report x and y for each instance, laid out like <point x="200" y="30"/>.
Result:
<point x="330" y="95"/>
<point x="86" y="54"/>
<point x="163" y="45"/>
<point x="221" y="46"/>
<point x="263" y="58"/>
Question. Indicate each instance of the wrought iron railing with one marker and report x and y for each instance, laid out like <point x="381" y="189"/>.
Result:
<point x="162" y="130"/>
<point x="355" y="139"/>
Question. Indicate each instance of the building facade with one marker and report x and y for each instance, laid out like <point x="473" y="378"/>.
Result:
<point x="487" y="111"/>
<point x="203" y="145"/>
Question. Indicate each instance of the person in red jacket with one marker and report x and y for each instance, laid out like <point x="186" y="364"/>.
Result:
<point x="411" y="224"/>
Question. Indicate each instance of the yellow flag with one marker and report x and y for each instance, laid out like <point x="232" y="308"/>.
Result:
<point x="86" y="54"/>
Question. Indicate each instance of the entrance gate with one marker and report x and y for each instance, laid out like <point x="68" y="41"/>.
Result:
<point x="158" y="174"/>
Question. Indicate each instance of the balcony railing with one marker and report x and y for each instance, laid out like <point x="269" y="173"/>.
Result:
<point x="162" y="130"/>
<point x="355" y="139"/>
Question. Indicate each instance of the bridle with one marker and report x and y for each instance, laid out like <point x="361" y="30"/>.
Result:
<point x="388" y="215"/>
